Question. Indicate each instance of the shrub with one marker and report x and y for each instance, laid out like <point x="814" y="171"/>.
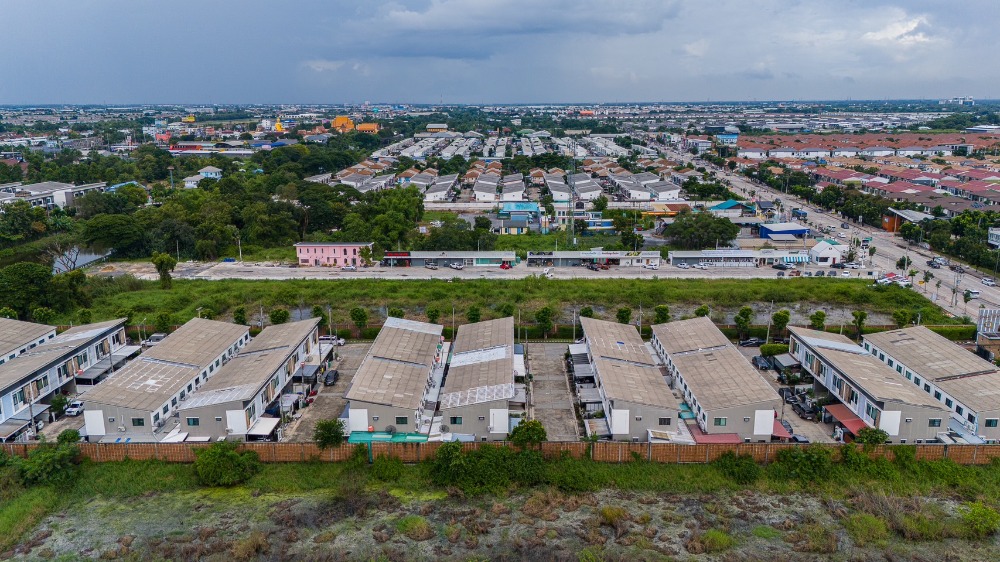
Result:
<point x="866" y="529"/>
<point x="222" y="465"/>
<point x="387" y="469"/>
<point x="329" y="433"/>
<point x="740" y="469"/>
<point x="49" y="463"/>
<point x="58" y="404"/>
<point x="573" y="475"/>
<point x="278" y="316"/>
<point x="528" y="432"/>
<point x="68" y="437"/>
<point x="415" y="527"/>
<point x="716" y="540"/>
<point x="871" y="436"/>
<point x="978" y="520"/>
<point x="772" y="349"/>
<point x="804" y="463"/>
<point x="250" y="547"/>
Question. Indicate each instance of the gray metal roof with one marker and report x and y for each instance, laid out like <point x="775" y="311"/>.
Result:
<point x="15" y="334"/>
<point x="398" y="365"/>
<point x="482" y="364"/>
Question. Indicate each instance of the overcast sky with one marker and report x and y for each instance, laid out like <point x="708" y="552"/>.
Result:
<point x="494" y="51"/>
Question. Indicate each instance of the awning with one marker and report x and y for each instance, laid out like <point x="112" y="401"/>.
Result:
<point x="264" y="427"/>
<point x="701" y="438"/>
<point x="797" y="258"/>
<point x="10" y="427"/>
<point x="779" y="430"/>
<point x="851" y="421"/>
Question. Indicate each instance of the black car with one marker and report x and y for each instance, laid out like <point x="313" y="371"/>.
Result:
<point x="787" y="426"/>
<point x="781" y="266"/>
<point x="796" y="438"/>
<point x="761" y="362"/>
<point x="331" y="378"/>
<point x="839" y="265"/>
<point x="752" y="342"/>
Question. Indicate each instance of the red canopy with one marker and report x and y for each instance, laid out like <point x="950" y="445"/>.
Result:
<point x="851" y="421"/>
<point x="779" y="430"/>
<point x="701" y="438"/>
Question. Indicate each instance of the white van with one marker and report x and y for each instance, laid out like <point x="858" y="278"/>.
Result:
<point x="973" y="293"/>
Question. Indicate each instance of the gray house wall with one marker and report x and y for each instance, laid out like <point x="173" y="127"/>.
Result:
<point x="471" y="424"/>
<point x="650" y="420"/>
<point x="734" y="420"/>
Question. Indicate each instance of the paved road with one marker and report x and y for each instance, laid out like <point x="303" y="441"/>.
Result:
<point x="551" y="398"/>
<point x="330" y="400"/>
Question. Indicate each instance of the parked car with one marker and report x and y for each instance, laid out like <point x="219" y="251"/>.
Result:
<point x="154" y="339"/>
<point x="802" y="412"/>
<point x="934" y="265"/>
<point x="652" y="266"/>
<point x="957" y="268"/>
<point x="761" y="362"/>
<point x="808" y="274"/>
<point x="683" y="266"/>
<point x="787" y="426"/>
<point x="75" y="408"/>
<point x="332" y="340"/>
<point x="839" y="265"/>
<point x="841" y="235"/>
<point x="505" y="266"/>
<point x="593" y="267"/>
<point x="781" y="274"/>
<point x="853" y="265"/>
<point x="331" y="378"/>
<point x="989" y="282"/>
<point x="430" y="266"/>
<point x="349" y="268"/>
<point x="845" y="274"/>
<point x="844" y="225"/>
<point x="797" y="438"/>
<point x="457" y="265"/>
<point x="752" y="342"/>
<point x="788" y="395"/>
<point x="781" y="266"/>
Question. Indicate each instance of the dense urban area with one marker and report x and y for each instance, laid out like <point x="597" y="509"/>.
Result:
<point x="576" y="332"/>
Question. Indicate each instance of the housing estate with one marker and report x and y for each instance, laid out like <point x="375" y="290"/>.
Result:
<point x="730" y="400"/>
<point x="868" y="392"/>
<point x="631" y="387"/>
<point x="135" y="403"/>
<point x="966" y="384"/>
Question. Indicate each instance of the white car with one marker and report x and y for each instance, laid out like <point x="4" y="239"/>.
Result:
<point x="989" y="282"/>
<point x="457" y="265"/>
<point x="905" y="283"/>
<point x="845" y="274"/>
<point x="700" y="266"/>
<point x="853" y="265"/>
<point x="683" y="266"/>
<point x="841" y="235"/>
<point x="652" y="266"/>
<point x="75" y="408"/>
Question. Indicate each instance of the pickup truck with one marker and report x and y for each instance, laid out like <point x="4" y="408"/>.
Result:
<point x="75" y="408"/>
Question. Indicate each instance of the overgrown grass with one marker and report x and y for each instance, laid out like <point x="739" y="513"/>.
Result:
<point x="24" y="512"/>
<point x="111" y="298"/>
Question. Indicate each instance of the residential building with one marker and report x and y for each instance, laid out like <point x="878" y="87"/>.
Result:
<point x="484" y="191"/>
<point x="963" y="382"/>
<point x="475" y="398"/>
<point x="828" y="252"/>
<point x="17" y="337"/>
<point x="513" y="192"/>
<point x="437" y="193"/>
<point x="726" y="394"/>
<point x="868" y="393"/>
<point x="397" y="385"/>
<point x="211" y="172"/>
<point x="634" y="394"/>
<point x="233" y="403"/>
<point x="332" y="254"/>
<point x="136" y="402"/>
<point x="30" y="379"/>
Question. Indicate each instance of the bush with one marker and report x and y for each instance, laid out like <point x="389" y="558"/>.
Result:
<point x="866" y="529"/>
<point x="740" y="469"/>
<point x="68" y="437"/>
<point x="978" y="520"/>
<point x="278" y="316"/>
<point x="715" y="540"/>
<point x="387" y="469"/>
<point x="222" y="465"/>
<point x="871" y="436"/>
<point x="804" y="463"/>
<point x="329" y="433"/>
<point x="415" y="527"/>
<point x="772" y="349"/>
<point x="573" y="475"/>
<point x="528" y="432"/>
<point x="488" y="469"/>
<point x="49" y="463"/>
<point x="58" y="404"/>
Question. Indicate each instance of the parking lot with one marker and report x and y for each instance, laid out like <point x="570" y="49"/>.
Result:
<point x="550" y="400"/>
<point x="330" y="401"/>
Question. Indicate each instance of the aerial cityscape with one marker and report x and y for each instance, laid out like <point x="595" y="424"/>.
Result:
<point x="385" y="285"/>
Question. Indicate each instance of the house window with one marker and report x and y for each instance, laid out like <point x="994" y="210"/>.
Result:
<point x="664" y="421"/>
<point x="959" y="410"/>
<point x="218" y="418"/>
<point x="909" y="376"/>
<point x="166" y="409"/>
<point x="156" y="417"/>
<point x="482" y="418"/>
<point x="948" y="402"/>
<point x="402" y="420"/>
<point x="867" y="347"/>
<point x="899" y="369"/>
<point x="891" y="363"/>
<point x="173" y="401"/>
<point x="138" y="422"/>
<point x="927" y="388"/>
<point x="934" y="422"/>
<point x="916" y="381"/>
<point x="192" y="422"/>
<point x="992" y="422"/>
<point x="719" y="422"/>
<point x="971" y="418"/>
<point x="455" y="420"/>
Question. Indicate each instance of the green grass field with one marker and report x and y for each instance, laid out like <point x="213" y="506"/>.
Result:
<point x="111" y="298"/>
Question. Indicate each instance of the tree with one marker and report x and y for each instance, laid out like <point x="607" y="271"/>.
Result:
<point x="624" y="315"/>
<point x="162" y="322"/>
<point x="743" y="319"/>
<point x="600" y="203"/>
<point x="587" y="312"/>
<point x="859" y="321"/>
<point x="702" y="311"/>
<point x="473" y="315"/>
<point x="68" y="436"/>
<point x="8" y="312"/>
<point x="222" y="465"/>
<point x="871" y="436"/>
<point x="817" y="320"/>
<point x="433" y="314"/>
<point x="396" y="312"/>
<point x="25" y="286"/>
<point x="543" y="317"/>
<point x="43" y="315"/>
<point x="871" y="251"/>
<point x="278" y="316"/>
<point x="58" y="404"/>
<point x="318" y="312"/>
<point x="329" y="433"/>
<point x="903" y="263"/>
<point x="360" y="317"/>
<point x="697" y="231"/>
<point x="661" y="314"/>
<point x="927" y="279"/>
<point x="902" y="317"/>
<point x="966" y="297"/>
<point x="528" y="432"/>
<point x="240" y="315"/>
<point x="780" y="320"/>
<point x="164" y="264"/>
<point x="85" y="316"/>
<point x="504" y="310"/>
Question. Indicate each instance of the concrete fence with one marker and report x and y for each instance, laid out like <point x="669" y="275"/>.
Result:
<point x="607" y="452"/>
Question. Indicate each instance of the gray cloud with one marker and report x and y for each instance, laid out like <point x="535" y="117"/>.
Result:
<point x="493" y="51"/>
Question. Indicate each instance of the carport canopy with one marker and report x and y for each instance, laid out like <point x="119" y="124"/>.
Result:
<point x="851" y="421"/>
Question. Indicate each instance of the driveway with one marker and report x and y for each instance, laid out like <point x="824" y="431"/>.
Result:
<point x="330" y="400"/>
<point x="551" y="401"/>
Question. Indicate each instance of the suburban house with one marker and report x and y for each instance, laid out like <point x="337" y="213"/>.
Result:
<point x="49" y="366"/>
<point x="828" y="252"/>
<point x="868" y="392"/>
<point x="963" y="382"/>
<point x="730" y="400"/>
<point x="332" y="254"/>
<point x="631" y="387"/>
<point x="211" y="172"/>
<point x="484" y="191"/>
<point x="397" y="385"/>
<point x="474" y="401"/>
<point x="437" y="193"/>
<point x="513" y="192"/>
<point x="232" y="403"/>
<point x="137" y="402"/>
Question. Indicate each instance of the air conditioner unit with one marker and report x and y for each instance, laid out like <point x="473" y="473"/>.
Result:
<point x="121" y="428"/>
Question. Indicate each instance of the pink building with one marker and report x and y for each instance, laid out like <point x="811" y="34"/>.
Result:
<point x="330" y="254"/>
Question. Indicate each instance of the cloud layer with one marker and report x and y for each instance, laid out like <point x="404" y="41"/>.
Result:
<point x="494" y="51"/>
